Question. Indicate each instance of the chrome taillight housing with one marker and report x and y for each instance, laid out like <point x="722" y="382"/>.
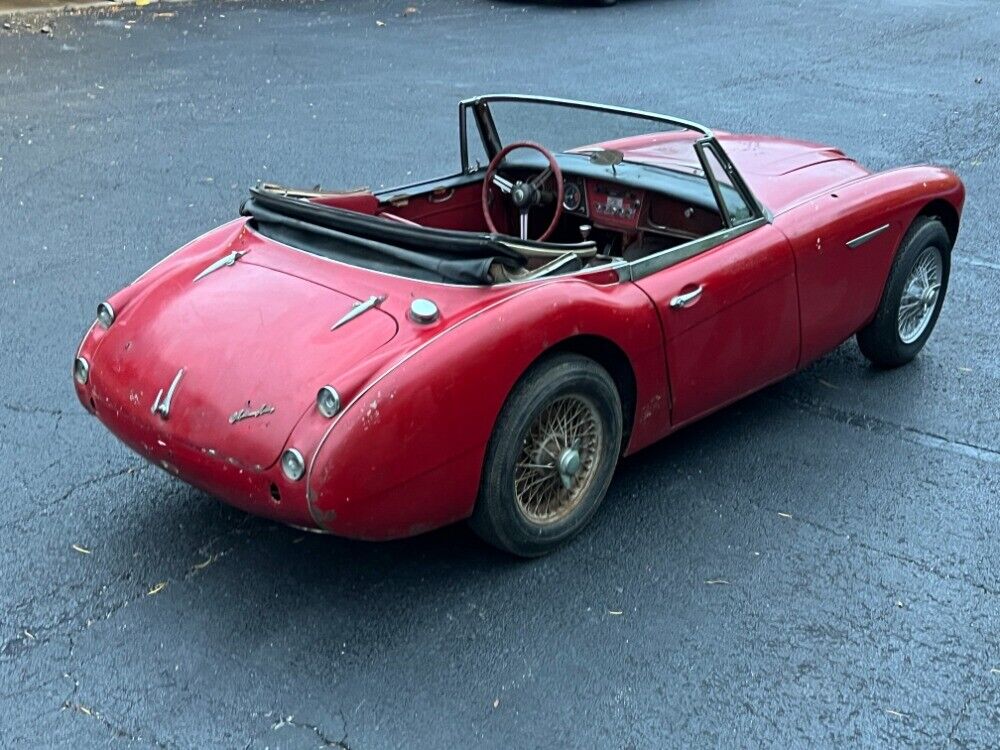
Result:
<point x="293" y="465"/>
<point x="81" y="370"/>
<point x="328" y="401"/>
<point x="105" y="314"/>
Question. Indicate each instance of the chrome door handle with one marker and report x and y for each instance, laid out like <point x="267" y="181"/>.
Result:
<point x="683" y="300"/>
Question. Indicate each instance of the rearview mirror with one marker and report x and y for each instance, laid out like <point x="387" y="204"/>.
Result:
<point x="606" y="157"/>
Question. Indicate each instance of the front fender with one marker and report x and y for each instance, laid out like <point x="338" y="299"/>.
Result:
<point x="406" y="454"/>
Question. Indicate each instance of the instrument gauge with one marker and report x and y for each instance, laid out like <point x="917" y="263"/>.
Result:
<point x="572" y="197"/>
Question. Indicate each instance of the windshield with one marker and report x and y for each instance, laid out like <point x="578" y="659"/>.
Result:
<point x="608" y="136"/>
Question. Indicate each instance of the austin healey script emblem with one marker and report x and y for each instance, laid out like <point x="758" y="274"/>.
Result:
<point x="247" y="413"/>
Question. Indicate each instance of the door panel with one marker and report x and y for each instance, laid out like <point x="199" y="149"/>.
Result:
<point x="739" y="333"/>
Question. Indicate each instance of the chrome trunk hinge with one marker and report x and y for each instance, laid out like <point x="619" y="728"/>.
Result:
<point x="359" y="308"/>
<point x="227" y="260"/>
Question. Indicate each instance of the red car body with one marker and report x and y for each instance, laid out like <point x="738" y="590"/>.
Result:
<point x="405" y="452"/>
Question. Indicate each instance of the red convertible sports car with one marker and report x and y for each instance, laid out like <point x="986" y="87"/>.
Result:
<point x="485" y="345"/>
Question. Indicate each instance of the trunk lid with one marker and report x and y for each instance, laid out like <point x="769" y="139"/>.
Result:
<point x="254" y="343"/>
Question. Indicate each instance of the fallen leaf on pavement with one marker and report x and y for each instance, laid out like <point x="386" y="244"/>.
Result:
<point x="205" y="563"/>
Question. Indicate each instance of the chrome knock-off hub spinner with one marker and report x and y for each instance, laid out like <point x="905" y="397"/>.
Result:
<point x="558" y="459"/>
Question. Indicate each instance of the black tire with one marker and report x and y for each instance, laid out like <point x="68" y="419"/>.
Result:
<point x="881" y="341"/>
<point x="566" y="381"/>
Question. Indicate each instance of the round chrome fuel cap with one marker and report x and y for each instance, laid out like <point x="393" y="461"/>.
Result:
<point x="423" y="311"/>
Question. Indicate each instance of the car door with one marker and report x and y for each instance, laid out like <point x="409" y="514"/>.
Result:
<point x="730" y="319"/>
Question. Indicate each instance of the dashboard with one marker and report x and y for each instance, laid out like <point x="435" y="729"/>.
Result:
<point x="610" y="205"/>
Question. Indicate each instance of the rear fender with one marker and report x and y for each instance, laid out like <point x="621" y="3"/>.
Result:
<point x="205" y="248"/>
<point x="406" y="454"/>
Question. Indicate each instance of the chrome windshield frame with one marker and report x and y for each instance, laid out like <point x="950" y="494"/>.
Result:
<point x="479" y="106"/>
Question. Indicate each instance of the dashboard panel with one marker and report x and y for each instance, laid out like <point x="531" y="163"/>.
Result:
<point x="613" y="205"/>
<point x="680" y="218"/>
<point x="626" y="208"/>
<point x="574" y="195"/>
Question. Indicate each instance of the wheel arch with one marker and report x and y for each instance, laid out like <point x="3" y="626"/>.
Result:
<point x="946" y="213"/>
<point x="613" y="359"/>
<point x="403" y="482"/>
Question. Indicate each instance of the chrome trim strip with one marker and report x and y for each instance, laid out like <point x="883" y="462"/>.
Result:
<point x="673" y="255"/>
<point x="859" y="241"/>
<point x="359" y="308"/>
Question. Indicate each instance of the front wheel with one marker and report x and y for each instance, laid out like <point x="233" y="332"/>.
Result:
<point x="551" y="457"/>
<point x="913" y="295"/>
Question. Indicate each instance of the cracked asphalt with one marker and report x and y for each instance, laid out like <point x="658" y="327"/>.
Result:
<point x="818" y="565"/>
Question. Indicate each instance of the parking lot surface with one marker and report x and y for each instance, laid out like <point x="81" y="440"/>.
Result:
<point x="818" y="565"/>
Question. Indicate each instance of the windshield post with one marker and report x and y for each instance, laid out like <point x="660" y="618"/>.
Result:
<point x="713" y="183"/>
<point x="737" y="180"/>
<point x="463" y="140"/>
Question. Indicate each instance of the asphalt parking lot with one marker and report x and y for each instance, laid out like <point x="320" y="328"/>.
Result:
<point x="818" y="565"/>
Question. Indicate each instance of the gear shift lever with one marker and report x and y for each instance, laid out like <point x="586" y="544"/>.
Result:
<point x="585" y="231"/>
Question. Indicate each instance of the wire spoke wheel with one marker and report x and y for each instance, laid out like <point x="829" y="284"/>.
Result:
<point x="920" y="296"/>
<point x="558" y="460"/>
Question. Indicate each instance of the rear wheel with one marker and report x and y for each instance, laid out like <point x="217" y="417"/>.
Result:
<point x="913" y="295"/>
<point x="551" y="457"/>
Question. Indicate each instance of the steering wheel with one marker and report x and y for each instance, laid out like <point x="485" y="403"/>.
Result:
<point x="524" y="194"/>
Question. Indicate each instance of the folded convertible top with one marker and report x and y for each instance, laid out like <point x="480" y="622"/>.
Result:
<point x="379" y="244"/>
